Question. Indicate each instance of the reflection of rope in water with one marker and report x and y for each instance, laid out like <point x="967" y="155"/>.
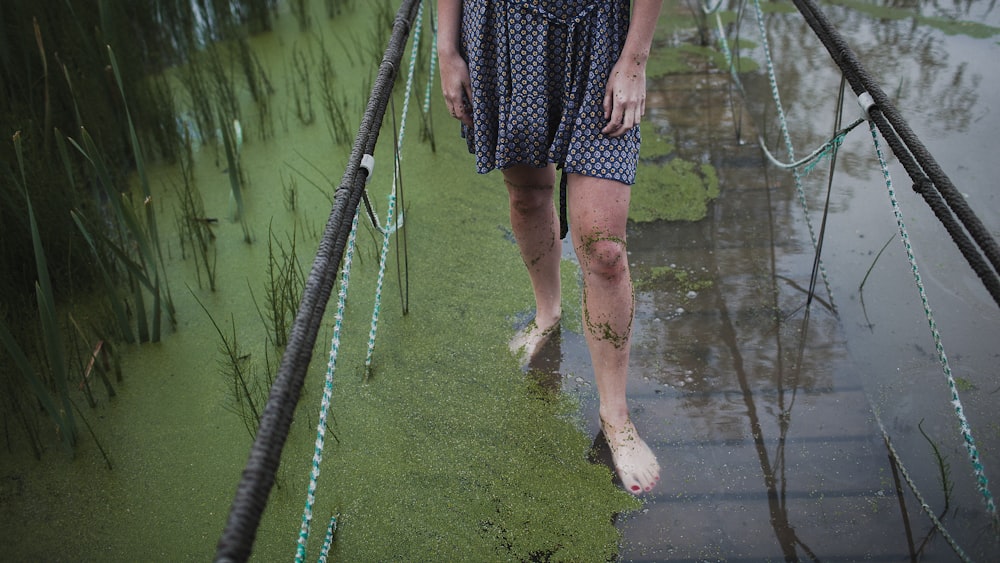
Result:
<point x="794" y="166"/>
<point x="923" y="185"/>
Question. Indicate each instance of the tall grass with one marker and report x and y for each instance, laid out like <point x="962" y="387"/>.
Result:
<point x="58" y="407"/>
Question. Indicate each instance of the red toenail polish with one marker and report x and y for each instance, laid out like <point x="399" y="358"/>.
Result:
<point x="635" y="487"/>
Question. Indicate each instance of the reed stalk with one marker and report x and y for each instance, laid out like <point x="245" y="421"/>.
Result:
<point x="290" y="191"/>
<point x="285" y="283"/>
<point x="300" y="9"/>
<point x="195" y="228"/>
<point x="235" y="366"/>
<point x="59" y="407"/>
<point x="230" y="142"/>
<point x="301" y="78"/>
<point x="335" y="107"/>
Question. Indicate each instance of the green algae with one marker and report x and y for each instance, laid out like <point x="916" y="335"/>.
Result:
<point x="668" y="279"/>
<point x="670" y="188"/>
<point x="443" y="449"/>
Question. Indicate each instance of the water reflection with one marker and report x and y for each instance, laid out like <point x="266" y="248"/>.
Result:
<point x="764" y="407"/>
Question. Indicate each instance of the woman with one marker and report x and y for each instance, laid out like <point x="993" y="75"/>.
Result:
<point x="541" y="84"/>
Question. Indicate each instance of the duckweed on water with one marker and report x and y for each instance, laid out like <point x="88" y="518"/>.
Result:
<point x="678" y="190"/>
<point x="448" y="450"/>
<point x="445" y="452"/>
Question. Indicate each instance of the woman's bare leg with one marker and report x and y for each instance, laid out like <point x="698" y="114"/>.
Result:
<point x="598" y="212"/>
<point x="535" y="224"/>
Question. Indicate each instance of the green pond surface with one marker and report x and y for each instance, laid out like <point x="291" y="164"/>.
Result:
<point x="448" y="449"/>
<point x="443" y="450"/>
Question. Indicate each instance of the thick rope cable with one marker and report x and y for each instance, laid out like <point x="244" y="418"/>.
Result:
<point x="236" y="540"/>
<point x="398" y="157"/>
<point x="982" y="251"/>
<point x="982" y="483"/>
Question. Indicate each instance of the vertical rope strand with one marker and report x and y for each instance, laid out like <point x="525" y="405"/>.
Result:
<point x="788" y="143"/>
<point x="982" y="483"/>
<point x="389" y="226"/>
<point x="338" y="323"/>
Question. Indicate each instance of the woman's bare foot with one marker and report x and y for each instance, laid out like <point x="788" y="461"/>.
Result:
<point x="530" y="339"/>
<point x="635" y="463"/>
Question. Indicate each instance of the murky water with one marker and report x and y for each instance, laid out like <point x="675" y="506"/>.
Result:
<point x="761" y="411"/>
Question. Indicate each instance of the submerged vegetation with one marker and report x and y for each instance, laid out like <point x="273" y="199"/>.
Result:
<point x="90" y="94"/>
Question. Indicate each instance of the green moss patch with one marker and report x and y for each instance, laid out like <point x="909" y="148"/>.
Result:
<point x="668" y="188"/>
<point x="668" y="279"/>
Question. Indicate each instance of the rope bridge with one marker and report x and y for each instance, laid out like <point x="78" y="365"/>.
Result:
<point x="335" y="254"/>
<point x="966" y="230"/>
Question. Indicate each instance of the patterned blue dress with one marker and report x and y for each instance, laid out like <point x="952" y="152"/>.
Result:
<point x="539" y="69"/>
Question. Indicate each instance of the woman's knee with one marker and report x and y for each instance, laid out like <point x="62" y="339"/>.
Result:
<point x="604" y="255"/>
<point x="530" y="188"/>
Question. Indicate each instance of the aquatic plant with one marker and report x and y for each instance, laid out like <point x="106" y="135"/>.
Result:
<point x="301" y="79"/>
<point x="231" y="140"/>
<point x="337" y="7"/>
<point x="57" y="405"/>
<point x="130" y="247"/>
<point x="290" y="191"/>
<point x="285" y="280"/>
<point x="245" y="396"/>
<point x="195" y="230"/>
<point x="334" y="105"/>
<point x="300" y="10"/>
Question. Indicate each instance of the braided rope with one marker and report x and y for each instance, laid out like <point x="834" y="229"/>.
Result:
<point x="982" y="483"/>
<point x="331" y="528"/>
<point x="808" y="163"/>
<point x="433" y="64"/>
<point x="392" y="196"/>
<point x="338" y="323"/>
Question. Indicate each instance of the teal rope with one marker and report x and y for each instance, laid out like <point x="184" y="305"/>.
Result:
<point x="387" y="232"/>
<point x="810" y="162"/>
<point x="978" y="469"/>
<point x="307" y="513"/>
<point x="916" y="492"/>
<point x="982" y="483"/>
<point x="788" y="142"/>
<point x="430" y="72"/>
<point x="331" y="528"/>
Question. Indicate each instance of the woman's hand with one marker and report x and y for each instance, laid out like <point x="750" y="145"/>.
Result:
<point x="625" y="96"/>
<point x="456" y="86"/>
